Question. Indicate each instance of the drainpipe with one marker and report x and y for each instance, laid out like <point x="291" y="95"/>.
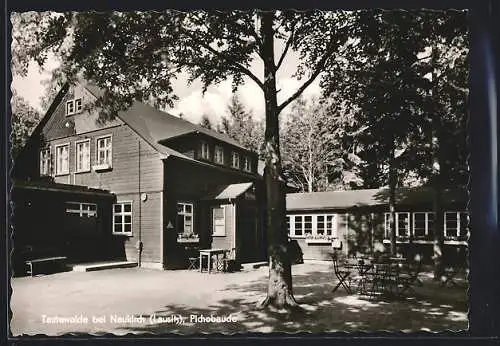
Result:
<point x="139" y="244"/>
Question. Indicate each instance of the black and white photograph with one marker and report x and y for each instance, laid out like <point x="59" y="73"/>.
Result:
<point x="239" y="171"/>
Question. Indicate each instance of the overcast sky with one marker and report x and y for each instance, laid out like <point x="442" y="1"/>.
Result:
<point x="191" y="101"/>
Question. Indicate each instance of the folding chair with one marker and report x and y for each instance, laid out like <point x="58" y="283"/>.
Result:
<point x="342" y="275"/>
<point x="194" y="261"/>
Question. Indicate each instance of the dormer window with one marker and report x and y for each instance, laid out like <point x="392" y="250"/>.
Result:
<point x="219" y="154"/>
<point x="247" y="167"/>
<point x="205" y="151"/>
<point x="74" y="106"/>
<point x="235" y="160"/>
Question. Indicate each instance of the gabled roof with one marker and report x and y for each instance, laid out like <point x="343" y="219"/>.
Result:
<point x="162" y="126"/>
<point x="367" y="197"/>
<point x="228" y="191"/>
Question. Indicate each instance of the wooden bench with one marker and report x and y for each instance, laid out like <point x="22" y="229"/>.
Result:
<point x="34" y="262"/>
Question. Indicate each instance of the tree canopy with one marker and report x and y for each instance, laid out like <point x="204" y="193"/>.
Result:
<point x="24" y="120"/>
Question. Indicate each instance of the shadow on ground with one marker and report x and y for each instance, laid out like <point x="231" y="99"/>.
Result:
<point x="430" y="308"/>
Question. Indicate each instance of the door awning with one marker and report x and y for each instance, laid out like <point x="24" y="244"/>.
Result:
<point x="231" y="191"/>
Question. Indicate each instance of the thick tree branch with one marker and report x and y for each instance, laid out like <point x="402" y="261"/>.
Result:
<point x="285" y="50"/>
<point x="234" y="64"/>
<point x="316" y="71"/>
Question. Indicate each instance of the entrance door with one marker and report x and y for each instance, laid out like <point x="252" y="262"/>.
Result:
<point x="248" y="237"/>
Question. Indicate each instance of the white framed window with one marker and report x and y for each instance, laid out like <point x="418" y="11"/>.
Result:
<point x="45" y="161"/>
<point x="247" y="164"/>
<point x="235" y="160"/>
<point x="219" y="154"/>
<point x="78" y="105"/>
<point x="82" y="153"/>
<point x="82" y="209"/>
<point x="70" y="107"/>
<point x="74" y="106"/>
<point x="185" y="218"/>
<point x="423" y="222"/>
<point x="455" y="224"/>
<point x="104" y="152"/>
<point x="312" y="224"/>
<point x="62" y="159"/>
<point x="205" y="151"/>
<point x="402" y="224"/>
<point x="219" y="221"/>
<point x="122" y="218"/>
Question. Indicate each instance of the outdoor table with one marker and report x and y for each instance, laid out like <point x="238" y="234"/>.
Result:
<point x="209" y="253"/>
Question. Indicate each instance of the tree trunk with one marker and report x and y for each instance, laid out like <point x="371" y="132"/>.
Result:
<point x="392" y="198"/>
<point x="279" y="292"/>
<point x="437" y="183"/>
<point x="438" y="244"/>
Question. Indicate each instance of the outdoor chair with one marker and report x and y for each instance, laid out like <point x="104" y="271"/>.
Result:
<point x="194" y="263"/>
<point x="409" y="276"/>
<point x="382" y="279"/>
<point x="229" y="263"/>
<point x="342" y="274"/>
<point x="194" y="260"/>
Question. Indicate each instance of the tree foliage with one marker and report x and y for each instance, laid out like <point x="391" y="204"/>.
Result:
<point x="240" y="125"/>
<point x="24" y="120"/>
<point x="314" y="155"/>
<point x="407" y="85"/>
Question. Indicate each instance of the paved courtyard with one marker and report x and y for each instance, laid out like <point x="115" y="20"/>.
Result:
<point x="137" y="300"/>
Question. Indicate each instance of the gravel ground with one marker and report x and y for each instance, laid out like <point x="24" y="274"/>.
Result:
<point x="136" y="300"/>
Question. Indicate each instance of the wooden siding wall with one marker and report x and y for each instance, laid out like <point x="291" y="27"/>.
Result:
<point x="136" y="169"/>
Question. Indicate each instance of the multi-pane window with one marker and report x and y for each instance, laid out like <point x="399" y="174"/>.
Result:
<point x="62" y="159"/>
<point x="219" y="221"/>
<point x="247" y="166"/>
<point x="423" y="223"/>
<point x="330" y="224"/>
<point x="205" y="151"/>
<point x="303" y="225"/>
<point x="45" y="161"/>
<point x="104" y="151"/>
<point x="82" y="209"/>
<point x="78" y="105"/>
<point x="70" y="107"/>
<point x="235" y="160"/>
<point x="402" y="224"/>
<point x="308" y="224"/>
<point x="185" y="218"/>
<point x="83" y="156"/>
<point x="455" y="224"/>
<point x="298" y="225"/>
<point x="122" y="218"/>
<point x="74" y="106"/>
<point x="219" y="154"/>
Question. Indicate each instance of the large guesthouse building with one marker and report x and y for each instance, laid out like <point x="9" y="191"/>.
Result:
<point x="141" y="187"/>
